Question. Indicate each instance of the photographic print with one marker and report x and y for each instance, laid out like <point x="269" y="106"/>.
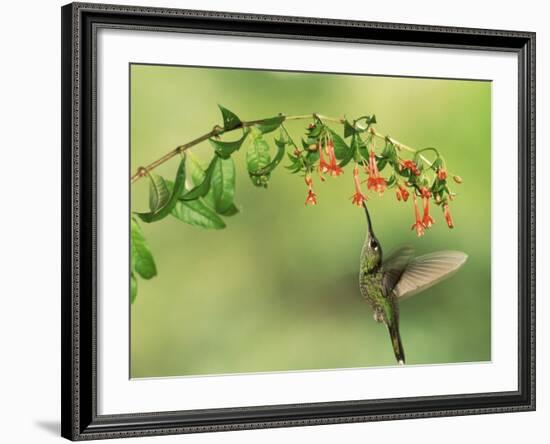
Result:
<point x="291" y="221"/>
<point x="330" y="222"/>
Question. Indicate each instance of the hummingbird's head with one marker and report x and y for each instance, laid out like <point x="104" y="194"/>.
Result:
<point x="372" y="247"/>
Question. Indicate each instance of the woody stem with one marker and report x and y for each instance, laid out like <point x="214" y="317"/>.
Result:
<point x="399" y="145"/>
<point x="218" y="130"/>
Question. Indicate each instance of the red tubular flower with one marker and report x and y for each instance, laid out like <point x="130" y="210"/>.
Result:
<point x="401" y="193"/>
<point x="333" y="168"/>
<point x="442" y="174"/>
<point x="418" y="225"/>
<point x="448" y="216"/>
<point x="375" y="182"/>
<point x="311" y="196"/>
<point x="324" y="167"/>
<point x="427" y="220"/>
<point x="358" y="198"/>
<point x="410" y="165"/>
<point x="425" y="193"/>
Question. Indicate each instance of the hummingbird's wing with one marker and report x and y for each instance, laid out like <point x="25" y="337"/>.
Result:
<point x="394" y="266"/>
<point x="424" y="271"/>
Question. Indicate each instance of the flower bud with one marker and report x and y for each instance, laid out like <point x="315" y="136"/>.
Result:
<point x="457" y="179"/>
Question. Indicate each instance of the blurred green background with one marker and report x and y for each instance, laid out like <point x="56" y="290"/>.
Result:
<point x="278" y="288"/>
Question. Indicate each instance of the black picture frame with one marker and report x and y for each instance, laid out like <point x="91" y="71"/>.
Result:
<point x="80" y="420"/>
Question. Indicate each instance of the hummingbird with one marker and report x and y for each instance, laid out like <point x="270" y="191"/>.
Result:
<point x="384" y="283"/>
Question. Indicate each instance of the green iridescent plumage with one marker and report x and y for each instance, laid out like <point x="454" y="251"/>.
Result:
<point x="383" y="283"/>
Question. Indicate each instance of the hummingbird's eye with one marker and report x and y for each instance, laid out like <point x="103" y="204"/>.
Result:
<point x="374" y="244"/>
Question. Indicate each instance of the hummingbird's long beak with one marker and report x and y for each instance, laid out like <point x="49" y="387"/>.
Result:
<point x="368" y="219"/>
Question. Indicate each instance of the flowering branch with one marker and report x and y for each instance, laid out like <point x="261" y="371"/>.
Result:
<point x="201" y="196"/>
<point x="217" y="131"/>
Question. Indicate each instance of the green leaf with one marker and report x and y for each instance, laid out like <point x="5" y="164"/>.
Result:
<point x="419" y="164"/>
<point x="269" y="125"/>
<point x="257" y="158"/>
<point x="437" y="163"/>
<point x="195" y="212"/>
<point x="133" y="287"/>
<point x="315" y="131"/>
<point x="230" y="119"/>
<point x="369" y="120"/>
<point x="310" y="158"/>
<point x="341" y="149"/>
<point x="203" y="187"/>
<point x="293" y="159"/>
<point x="349" y="130"/>
<point x="381" y="163"/>
<point x="438" y="185"/>
<point x="158" y="193"/>
<point x="306" y="145"/>
<point x="164" y="210"/>
<point x="294" y="168"/>
<point x="225" y="149"/>
<point x="295" y="163"/>
<point x="223" y="185"/>
<point x="361" y="147"/>
<point x="390" y="153"/>
<point x="273" y="164"/>
<point x="406" y="174"/>
<point x="195" y="170"/>
<point x="196" y="174"/>
<point x="230" y="211"/>
<point x="349" y="155"/>
<point x="142" y="259"/>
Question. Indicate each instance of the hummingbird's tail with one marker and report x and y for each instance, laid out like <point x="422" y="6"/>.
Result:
<point x="396" y="343"/>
